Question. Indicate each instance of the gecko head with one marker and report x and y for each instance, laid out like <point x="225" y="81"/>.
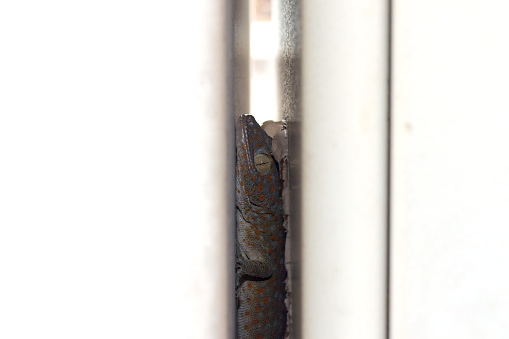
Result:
<point x="257" y="171"/>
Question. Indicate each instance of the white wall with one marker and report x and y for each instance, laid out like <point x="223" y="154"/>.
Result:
<point x="344" y="100"/>
<point x="451" y="170"/>
<point x="116" y="166"/>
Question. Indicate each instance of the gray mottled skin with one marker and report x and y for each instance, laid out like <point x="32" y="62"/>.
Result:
<point x="260" y="272"/>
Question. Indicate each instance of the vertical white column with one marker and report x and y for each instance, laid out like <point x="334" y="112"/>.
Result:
<point x="116" y="169"/>
<point x="344" y="168"/>
<point x="451" y="170"/>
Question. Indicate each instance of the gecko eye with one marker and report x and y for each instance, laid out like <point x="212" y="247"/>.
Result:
<point x="262" y="163"/>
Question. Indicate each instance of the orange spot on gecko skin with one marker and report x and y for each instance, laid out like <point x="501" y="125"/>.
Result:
<point x="243" y="167"/>
<point x="242" y="155"/>
<point x="265" y="299"/>
<point x="260" y="197"/>
<point x="248" y="299"/>
<point x="257" y="232"/>
<point x="266" y="318"/>
<point x="249" y="285"/>
<point x="259" y="187"/>
<point x="271" y="188"/>
<point x="254" y="177"/>
<point x="253" y="218"/>
<point x="245" y="174"/>
<point x="259" y="290"/>
<point x="258" y="144"/>
<point x="241" y="183"/>
<point x="238" y="191"/>
<point x="258" y="308"/>
<point x="269" y="177"/>
<point x="255" y="321"/>
<point x="247" y="313"/>
<point x="259" y="336"/>
<point x="246" y="327"/>
<point x="256" y="136"/>
<point x="264" y="224"/>
<point x="271" y="198"/>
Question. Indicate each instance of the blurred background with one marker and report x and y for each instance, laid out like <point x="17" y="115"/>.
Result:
<point x="264" y="54"/>
<point x="117" y="164"/>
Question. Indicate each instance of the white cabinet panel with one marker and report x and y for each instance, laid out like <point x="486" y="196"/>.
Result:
<point x="450" y="173"/>
<point x="116" y="169"/>
<point x="344" y="96"/>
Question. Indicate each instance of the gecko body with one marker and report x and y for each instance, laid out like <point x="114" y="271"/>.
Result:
<point x="260" y="269"/>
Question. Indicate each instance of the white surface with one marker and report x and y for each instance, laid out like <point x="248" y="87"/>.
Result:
<point x="264" y="39"/>
<point x="265" y="77"/>
<point x="344" y="97"/>
<point x="113" y="193"/>
<point x="451" y="170"/>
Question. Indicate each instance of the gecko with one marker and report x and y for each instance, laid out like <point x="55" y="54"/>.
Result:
<point x="260" y="270"/>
